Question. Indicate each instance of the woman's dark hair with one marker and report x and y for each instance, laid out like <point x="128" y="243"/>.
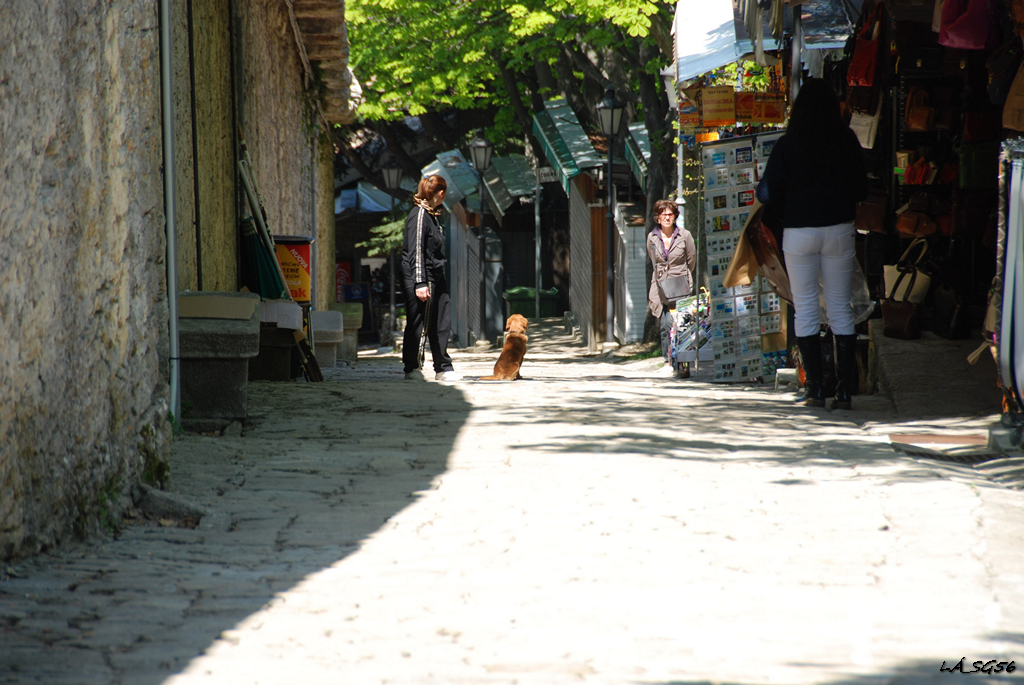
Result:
<point x="816" y="110"/>
<point x="661" y="205"/>
<point x="429" y="187"/>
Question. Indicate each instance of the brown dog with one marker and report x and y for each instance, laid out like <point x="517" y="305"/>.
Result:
<point x="507" y="366"/>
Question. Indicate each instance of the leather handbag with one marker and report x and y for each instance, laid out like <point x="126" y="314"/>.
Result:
<point x="906" y="286"/>
<point x="901" y="319"/>
<point x="920" y="114"/>
<point x="906" y="280"/>
<point x="871" y="212"/>
<point x="672" y="288"/>
<point x="864" y="62"/>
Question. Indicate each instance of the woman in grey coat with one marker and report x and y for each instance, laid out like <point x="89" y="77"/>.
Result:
<point x="673" y="253"/>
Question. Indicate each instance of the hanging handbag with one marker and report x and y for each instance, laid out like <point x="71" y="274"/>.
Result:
<point x="865" y="126"/>
<point x="864" y="62"/>
<point x="905" y="280"/>
<point x="1013" y="108"/>
<point x="920" y="114"/>
<point x="967" y="24"/>
<point x="1001" y="66"/>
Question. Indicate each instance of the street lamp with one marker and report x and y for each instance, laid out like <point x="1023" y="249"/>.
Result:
<point x="480" y="150"/>
<point x="393" y="180"/>
<point x="609" y="113"/>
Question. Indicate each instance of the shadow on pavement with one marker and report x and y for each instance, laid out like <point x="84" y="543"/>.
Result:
<point x="319" y="469"/>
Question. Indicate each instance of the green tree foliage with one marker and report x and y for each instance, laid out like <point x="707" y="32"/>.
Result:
<point x="414" y="57"/>
<point x="384" y="238"/>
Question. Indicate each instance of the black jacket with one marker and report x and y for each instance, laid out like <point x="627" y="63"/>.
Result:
<point x="423" y="251"/>
<point x="817" y="182"/>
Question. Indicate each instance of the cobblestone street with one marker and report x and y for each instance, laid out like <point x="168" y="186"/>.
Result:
<point x="590" y="523"/>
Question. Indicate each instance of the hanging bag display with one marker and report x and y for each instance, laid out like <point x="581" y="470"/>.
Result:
<point x="864" y="62"/>
<point x="967" y="24"/>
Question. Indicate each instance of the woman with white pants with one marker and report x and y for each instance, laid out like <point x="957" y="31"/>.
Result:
<point x="816" y="172"/>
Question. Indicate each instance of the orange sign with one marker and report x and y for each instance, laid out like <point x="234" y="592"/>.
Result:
<point x="761" y="108"/>
<point x="294" y="261"/>
<point x="718" y="106"/>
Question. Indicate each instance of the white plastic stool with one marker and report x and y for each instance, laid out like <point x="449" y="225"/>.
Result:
<point x="786" y="376"/>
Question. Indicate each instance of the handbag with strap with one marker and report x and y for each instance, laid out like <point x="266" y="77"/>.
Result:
<point x="864" y="62"/>
<point x="673" y="288"/>
<point x="906" y="280"/>
<point x="906" y="286"/>
<point x="920" y="114"/>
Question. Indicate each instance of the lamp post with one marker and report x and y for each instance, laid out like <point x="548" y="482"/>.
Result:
<point x="480" y="150"/>
<point x="393" y="180"/>
<point x="609" y="112"/>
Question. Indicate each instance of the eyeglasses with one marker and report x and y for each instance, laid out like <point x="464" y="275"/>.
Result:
<point x="667" y="213"/>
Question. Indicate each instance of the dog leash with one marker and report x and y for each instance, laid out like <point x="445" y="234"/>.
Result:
<point x="426" y="324"/>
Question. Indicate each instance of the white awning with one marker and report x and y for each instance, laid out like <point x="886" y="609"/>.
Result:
<point x="705" y="37"/>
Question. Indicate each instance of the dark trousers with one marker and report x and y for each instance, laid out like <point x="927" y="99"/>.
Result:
<point x="666" y="334"/>
<point x="438" y="328"/>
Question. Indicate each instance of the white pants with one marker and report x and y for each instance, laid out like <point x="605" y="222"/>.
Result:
<point x="828" y="250"/>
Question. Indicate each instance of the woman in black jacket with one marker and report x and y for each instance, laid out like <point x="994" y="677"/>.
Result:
<point x="816" y="172"/>
<point x="423" y="280"/>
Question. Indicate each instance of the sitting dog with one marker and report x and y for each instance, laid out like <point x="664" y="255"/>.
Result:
<point x="507" y="366"/>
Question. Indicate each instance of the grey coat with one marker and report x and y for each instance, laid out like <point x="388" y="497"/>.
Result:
<point x="682" y="260"/>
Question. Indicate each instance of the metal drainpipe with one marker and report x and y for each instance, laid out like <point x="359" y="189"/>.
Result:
<point x="166" y="92"/>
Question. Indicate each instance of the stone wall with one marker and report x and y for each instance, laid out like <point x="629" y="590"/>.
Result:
<point x="82" y="301"/>
<point x="252" y="79"/>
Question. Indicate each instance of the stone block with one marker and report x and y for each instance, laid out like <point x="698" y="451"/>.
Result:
<point x="328" y="333"/>
<point x="215" y="355"/>
<point x="277" y="359"/>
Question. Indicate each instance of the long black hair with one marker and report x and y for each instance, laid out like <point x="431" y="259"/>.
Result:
<point x="816" y="110"/>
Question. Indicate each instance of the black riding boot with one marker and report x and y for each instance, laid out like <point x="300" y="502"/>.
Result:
<point x="810" y="354"/>
<point x="846" y="370"/>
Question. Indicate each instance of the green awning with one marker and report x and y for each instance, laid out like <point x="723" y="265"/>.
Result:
<point x="462" y="179"/>
<point x="565" y="143"/>
<point x="638" y="152"/>
<point x="507" y="179"/>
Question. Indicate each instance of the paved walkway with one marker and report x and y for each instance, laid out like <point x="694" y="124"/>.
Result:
<point x="591" y="523"/>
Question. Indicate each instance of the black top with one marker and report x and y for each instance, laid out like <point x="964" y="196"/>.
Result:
<point x="818" y="182"/>
<point x="423" y="251"/>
